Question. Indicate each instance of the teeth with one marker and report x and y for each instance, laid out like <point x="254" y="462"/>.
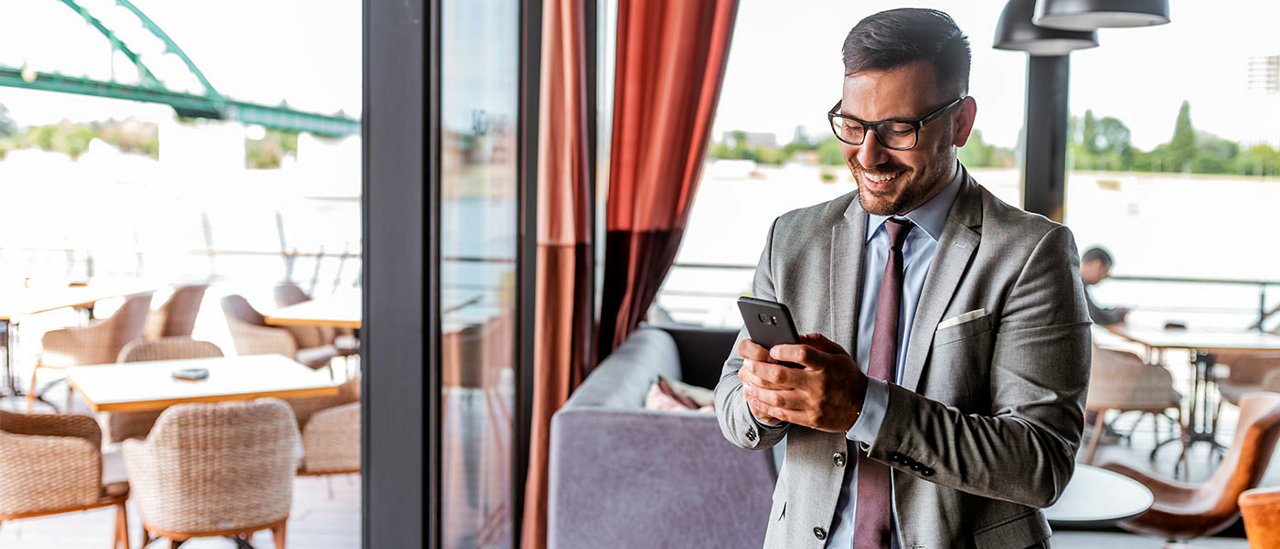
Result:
<point x="881" y="178"/>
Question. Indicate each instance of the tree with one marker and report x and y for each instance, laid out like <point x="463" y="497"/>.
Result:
<point x="1182" y="148"/>
<point x="7" y="127"/>
<point x="1089" y="133"/>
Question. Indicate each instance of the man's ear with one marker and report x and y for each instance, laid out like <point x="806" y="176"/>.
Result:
<point x="963" y="120"/>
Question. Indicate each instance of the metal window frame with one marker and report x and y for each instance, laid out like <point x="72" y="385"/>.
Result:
<point x="400" y="442"/>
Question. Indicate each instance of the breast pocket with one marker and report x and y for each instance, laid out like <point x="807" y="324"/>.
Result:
<point x="962" y="326"/>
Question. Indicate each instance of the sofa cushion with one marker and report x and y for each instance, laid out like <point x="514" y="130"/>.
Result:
<point x="623" y="379"/>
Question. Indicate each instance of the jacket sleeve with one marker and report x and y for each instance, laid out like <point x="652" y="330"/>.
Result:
<point x="737" y="423"/>
<point x="1023" y="450"/>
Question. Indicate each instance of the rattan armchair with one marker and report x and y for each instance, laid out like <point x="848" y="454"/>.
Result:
<point x="177" y="317"/>
<point x="344" y="340"/>
<point x="97" y="343"/>
<point x="52" y="464"/>
<point x="123" y="425"/>
<point x="330" y="431"/>
<point x="252" y="336"/>
<point x="215" y="470"/>
<point x="1121" y="381"/>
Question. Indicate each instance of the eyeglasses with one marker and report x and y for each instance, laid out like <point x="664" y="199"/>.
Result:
<point x="899" y="135"/>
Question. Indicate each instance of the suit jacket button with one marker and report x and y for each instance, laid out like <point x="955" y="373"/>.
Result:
<point x="751" y="435"/>
<point x="896" y="457"/>
<point x="819" y="533"/>
<point x="917" y="467"/>
<point x="839" y="459"/>
<point x="927" y="472"/>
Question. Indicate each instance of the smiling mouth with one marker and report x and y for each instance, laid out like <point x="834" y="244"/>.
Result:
<point x="881" y="179"/>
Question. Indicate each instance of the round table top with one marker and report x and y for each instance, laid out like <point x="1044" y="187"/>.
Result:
<point x="1096" y="497"/>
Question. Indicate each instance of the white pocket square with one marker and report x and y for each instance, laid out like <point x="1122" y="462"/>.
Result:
<point x="960" y="319"/>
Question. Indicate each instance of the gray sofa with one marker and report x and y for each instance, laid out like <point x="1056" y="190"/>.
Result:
<point x="624" y="476"/>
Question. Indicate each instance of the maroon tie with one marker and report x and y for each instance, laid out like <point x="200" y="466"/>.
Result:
<point x="872" y="515"/>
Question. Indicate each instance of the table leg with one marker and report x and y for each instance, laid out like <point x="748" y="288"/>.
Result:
<point x="1201" y="424"/>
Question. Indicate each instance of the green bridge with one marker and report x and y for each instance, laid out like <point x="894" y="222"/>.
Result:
<point x="152" y="89"/>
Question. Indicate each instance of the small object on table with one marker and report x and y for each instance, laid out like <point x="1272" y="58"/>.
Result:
<point x="191" y="374"/>
<point x="1175" y="325"/>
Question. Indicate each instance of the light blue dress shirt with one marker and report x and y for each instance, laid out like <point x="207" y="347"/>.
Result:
<point x="917" y="254"/>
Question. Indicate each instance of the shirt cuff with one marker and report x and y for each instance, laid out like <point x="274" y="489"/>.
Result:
<point x="874" y="404"/>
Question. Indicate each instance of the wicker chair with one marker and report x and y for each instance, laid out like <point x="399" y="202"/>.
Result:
<point x="221" y="469"/>
<point x="52" y="464"/>
<point x="177" y="317"/>
<point x="97" y="343"/>
<point x="344" y="340"/>
<point x="1186" y="511"/>
<point x="123" y="425"/>
<point x="252" y="336"/>
<point x="1250" y="373"/>
<point x="330" y="431"/>
<point x="1121" y="381"/>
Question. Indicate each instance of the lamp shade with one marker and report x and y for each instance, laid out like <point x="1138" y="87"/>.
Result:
<point x="1015" y="31"/>
<point x="1087" y="15"/>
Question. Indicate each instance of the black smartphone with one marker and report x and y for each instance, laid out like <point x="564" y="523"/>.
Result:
<point x="769" y="323"/>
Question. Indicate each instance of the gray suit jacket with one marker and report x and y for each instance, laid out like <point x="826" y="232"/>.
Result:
<point x="983" y="431"/>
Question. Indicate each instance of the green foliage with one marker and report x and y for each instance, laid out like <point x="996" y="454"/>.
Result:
<point x="977" y="153"/>
<point x="1089" y="133"/>
<point x="1182" y="148"/>
<point x="270" y="151"/>
<point x="829" y="152"/>
<point x="7" y="126"/>
<point x="1188" y="151"/>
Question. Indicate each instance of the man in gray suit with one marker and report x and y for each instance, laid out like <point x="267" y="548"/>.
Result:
<point x="954" y="425"/>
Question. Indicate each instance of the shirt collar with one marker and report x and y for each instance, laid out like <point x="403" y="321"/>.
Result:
<point x="930" y="216"/>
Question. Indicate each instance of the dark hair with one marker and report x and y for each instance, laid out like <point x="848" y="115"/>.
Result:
<point x="1097" y="254"/>
<point x="894" y="38"/>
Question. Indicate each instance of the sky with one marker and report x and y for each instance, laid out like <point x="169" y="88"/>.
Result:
<point x="784" y="66"/>
<point x="308" y="52"/>
<point x="785" y="69"/>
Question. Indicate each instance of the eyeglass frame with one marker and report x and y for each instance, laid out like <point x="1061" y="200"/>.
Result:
<point x="874" y="127"/>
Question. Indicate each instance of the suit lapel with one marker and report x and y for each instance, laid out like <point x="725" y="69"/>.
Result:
<point x="847" y="239"/>
<point x="959" y="240"/>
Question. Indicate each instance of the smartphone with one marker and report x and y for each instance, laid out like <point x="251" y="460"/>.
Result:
<point x="769" y="323"/>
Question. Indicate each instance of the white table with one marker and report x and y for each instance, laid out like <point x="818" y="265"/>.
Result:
<point x="141" y="386"/>
<point x="1097" y="498"/>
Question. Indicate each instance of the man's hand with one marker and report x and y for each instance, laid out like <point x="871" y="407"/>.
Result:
<point x="826" y="394"/>
<point x="752" y="353"/>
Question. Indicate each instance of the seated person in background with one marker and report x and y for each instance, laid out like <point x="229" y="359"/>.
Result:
<point x="1095" y="266"/>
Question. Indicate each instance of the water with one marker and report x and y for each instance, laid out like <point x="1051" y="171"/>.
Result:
<point x="1154" y="224"/>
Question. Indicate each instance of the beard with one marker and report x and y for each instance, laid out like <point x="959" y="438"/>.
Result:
<point x="911" y="189"/>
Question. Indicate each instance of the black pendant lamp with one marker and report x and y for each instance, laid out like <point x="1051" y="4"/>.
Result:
<point x="1087" y="15"/>
<point x="1017" y="32"/>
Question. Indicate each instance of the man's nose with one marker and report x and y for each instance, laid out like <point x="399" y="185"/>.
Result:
<point x="871" y="153"/>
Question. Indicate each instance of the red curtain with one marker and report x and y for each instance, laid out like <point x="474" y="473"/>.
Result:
<point x="564" y="310"/>
<point x="670" y="64"/>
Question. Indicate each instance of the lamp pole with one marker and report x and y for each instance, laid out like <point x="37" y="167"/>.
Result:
<point x="1045" y="135"/>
